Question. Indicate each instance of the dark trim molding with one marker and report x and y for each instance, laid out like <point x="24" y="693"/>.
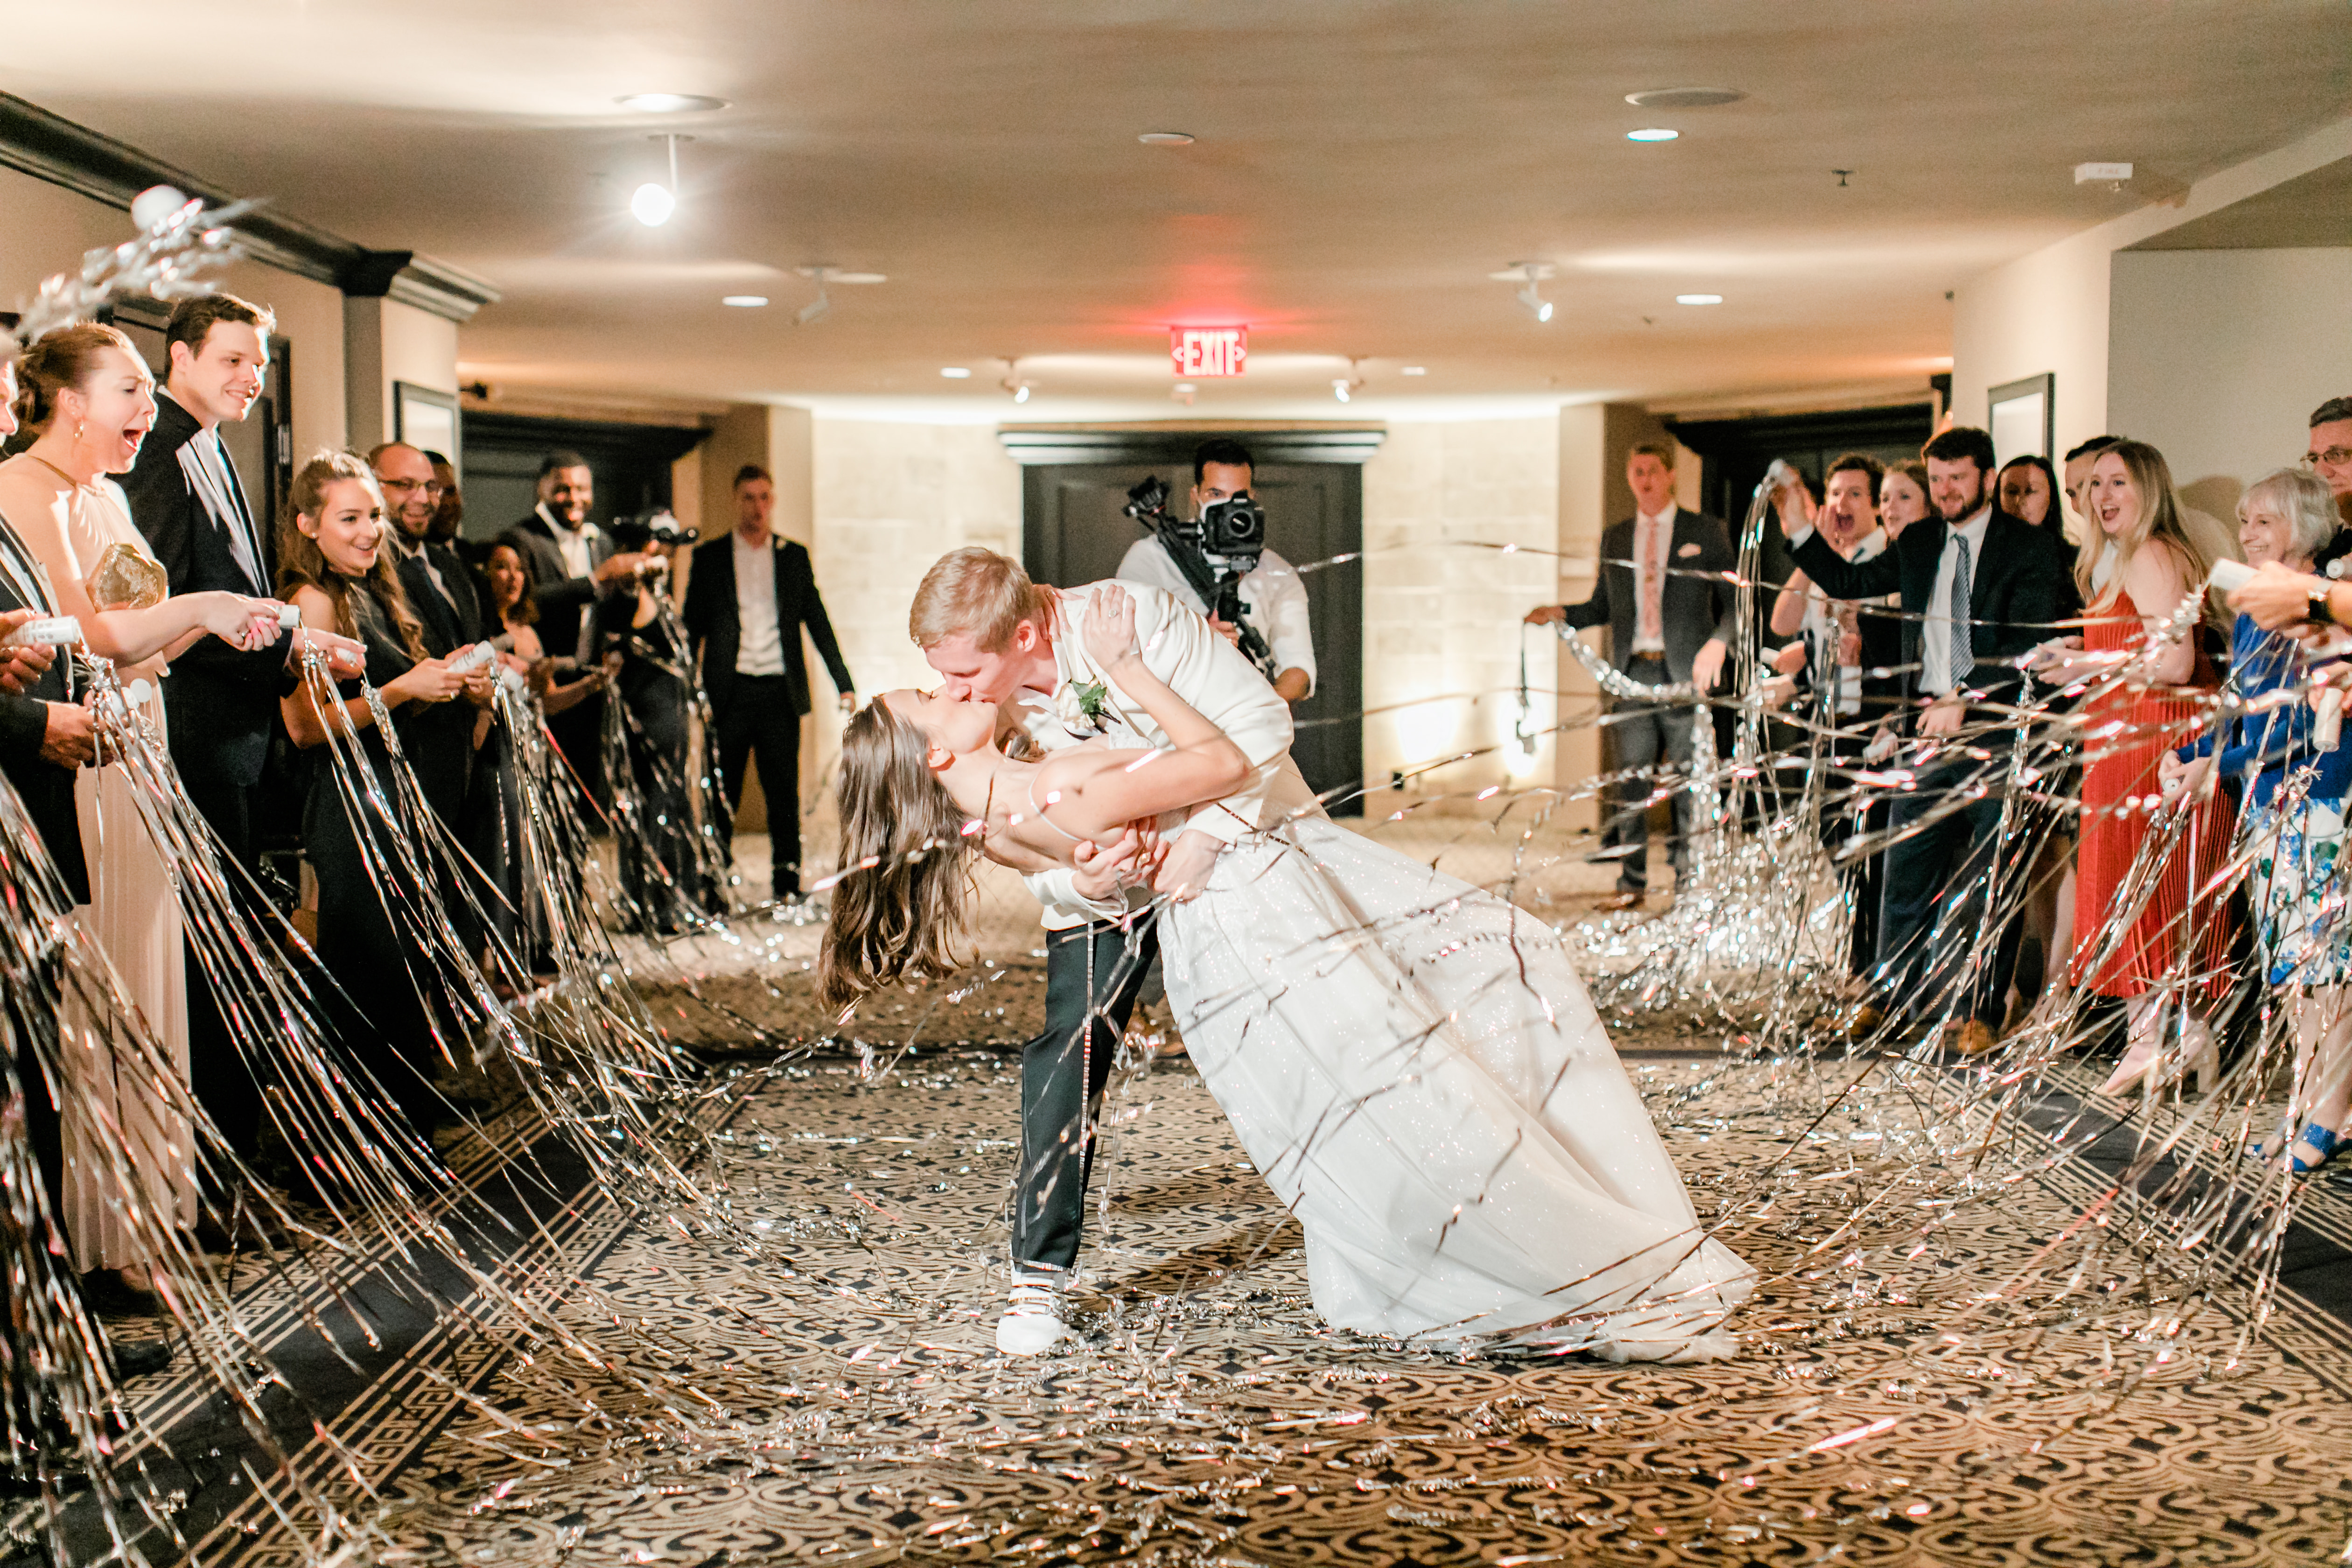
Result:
<point x="49" y="147"/>
<point x="1035" y="447"/>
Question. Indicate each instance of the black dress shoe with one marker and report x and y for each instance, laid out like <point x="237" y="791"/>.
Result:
<point x="139" y="1358"/>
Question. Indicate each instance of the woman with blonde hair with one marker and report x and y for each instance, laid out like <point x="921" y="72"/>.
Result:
<point x="2143" y="935"/>
<point x="84" y="391"/>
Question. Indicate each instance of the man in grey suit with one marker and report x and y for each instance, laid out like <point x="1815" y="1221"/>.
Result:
<point x="1666" y="623"/>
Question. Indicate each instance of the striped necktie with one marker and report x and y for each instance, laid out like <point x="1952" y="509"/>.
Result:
<point x="1964" y="658"/>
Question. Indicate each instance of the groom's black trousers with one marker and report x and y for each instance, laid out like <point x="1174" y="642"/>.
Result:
<point x="1092" y="975"/>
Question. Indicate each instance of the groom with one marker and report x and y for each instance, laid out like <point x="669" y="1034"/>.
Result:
<point x="994" y="636"/>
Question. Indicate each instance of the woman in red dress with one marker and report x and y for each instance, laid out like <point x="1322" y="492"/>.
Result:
<point x="2143" y="937"/>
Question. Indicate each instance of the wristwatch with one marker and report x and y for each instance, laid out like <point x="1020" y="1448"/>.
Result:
<point x="2318" y="597"/>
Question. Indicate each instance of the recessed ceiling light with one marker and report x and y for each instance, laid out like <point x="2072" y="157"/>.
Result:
<point x="1414" y="369"/>
<point x="669" y="102"/>
<point x="1653" y="134"/>
<point x="826" y="272"/>
<point x="955" y="373"/>
<point x="744" y="301"/>
<point x="1165" y="139"/>
<point x="1698" y="299"/>
<point x="1685" y="97"/>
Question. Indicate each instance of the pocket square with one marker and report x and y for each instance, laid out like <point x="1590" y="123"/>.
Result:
<point x="1687" y="551"/>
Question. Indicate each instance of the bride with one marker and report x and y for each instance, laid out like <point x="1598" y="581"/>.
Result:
<point x="1410" y="1063"/>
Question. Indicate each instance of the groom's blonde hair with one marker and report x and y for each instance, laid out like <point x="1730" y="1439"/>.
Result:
<point x="976" y="593"/>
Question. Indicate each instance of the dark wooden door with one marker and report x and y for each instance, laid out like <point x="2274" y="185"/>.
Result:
<point x="1073" y="531"/>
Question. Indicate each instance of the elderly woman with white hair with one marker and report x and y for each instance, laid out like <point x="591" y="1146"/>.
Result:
<point x="2291" y="811"/>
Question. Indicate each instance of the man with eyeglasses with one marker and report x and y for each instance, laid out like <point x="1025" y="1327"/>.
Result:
<point x="2329" y="455"/>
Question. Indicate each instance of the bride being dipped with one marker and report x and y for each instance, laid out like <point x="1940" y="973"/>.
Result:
<point x="1411" y="1064"/>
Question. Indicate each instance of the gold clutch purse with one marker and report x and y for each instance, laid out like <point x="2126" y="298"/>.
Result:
<point x="127" y="578"/>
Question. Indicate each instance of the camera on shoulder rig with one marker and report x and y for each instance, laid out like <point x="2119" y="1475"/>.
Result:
<point x="650" y="528"/>
<point x="1215" y="551"/>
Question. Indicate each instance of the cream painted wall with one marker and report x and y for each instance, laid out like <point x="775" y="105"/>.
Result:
<point x="2050" y="310"/>
<point x="2220" y="356"/>
<point x="384" y="342"/>
<point x="1441" y="617"/>
<point x="48" y="228"/>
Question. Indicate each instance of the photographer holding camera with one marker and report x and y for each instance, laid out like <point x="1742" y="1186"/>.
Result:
<point x="1261" y="605"/>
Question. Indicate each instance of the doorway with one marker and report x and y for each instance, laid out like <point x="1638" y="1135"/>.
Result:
<point x="1073" y="488"/>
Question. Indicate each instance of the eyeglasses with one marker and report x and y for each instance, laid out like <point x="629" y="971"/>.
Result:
<point x="430" y="487"/>
<point x="2334" y="457"/>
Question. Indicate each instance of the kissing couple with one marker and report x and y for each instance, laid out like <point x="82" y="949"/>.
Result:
<point x="1409" y="1062"/>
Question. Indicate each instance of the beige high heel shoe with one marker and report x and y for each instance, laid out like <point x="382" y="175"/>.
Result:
<point x="2144" y="1066"/>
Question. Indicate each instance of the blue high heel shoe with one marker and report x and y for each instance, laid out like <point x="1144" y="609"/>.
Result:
<point x="2316" y="1139"/>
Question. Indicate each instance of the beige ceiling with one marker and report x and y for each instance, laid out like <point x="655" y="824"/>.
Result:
<point x="1361" y="166"/>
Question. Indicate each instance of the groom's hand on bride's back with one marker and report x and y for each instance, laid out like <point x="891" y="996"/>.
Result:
<point x="1184" y="870"/>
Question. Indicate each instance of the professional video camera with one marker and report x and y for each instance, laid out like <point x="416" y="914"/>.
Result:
<point x="1215" y="551"/>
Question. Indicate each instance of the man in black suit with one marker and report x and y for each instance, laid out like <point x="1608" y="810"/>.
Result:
<point x="220" y="702"/>
<point x="749" y="596"/>
<point x="1980" y="590"/>
<point x="1666" y="625"/>
<point x="574" y="563"/>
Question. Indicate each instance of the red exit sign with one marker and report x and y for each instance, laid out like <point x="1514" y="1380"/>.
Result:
<point x="1208" y="351"/>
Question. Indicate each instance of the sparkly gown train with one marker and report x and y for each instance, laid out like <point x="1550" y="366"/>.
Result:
<point x="1416" y="1070"/>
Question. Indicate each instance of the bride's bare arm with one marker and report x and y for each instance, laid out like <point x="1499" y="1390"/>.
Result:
<point x="1201" y="763"/>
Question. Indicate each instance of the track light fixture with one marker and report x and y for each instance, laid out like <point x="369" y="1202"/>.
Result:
<point x="1528" y="275"/>
<point x="816" y="311"/>
<point x="1343" y="387"/>
<point x="1013" y="382"/>
<point x="653" y="202"/>
<point x="824" y="273"/>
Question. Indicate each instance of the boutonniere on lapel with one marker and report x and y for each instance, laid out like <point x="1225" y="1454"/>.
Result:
<point x="1083" y="705"/>
<point x="1687" y="551"/>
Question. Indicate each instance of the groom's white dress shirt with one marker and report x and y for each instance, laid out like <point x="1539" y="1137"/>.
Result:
<point x="1207" y="672"/>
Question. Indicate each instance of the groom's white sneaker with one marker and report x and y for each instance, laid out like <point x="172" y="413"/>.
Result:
<point x="1031" y="1323"/>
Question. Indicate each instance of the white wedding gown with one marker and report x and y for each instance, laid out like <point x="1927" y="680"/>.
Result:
<point x="1417" y="1072"/>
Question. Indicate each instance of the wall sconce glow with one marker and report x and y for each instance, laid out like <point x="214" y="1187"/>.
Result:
<point x="1652" y="133"/>
<point x="955" y="372"/>
<point x="1698" y="299"/>
<point x="652" y="205"/>
<point x="744" y="301"/>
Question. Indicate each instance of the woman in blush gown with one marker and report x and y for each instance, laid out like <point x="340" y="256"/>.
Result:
<point x="85" y="391"/>
<point x="1411" y="1064"/>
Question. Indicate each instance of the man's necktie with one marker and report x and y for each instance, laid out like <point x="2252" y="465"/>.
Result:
<point x="1651" y="625"/>
<point x="1964" y="658"/>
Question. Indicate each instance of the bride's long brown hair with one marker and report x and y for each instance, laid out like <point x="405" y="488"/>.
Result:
<point x="900" y="918"/>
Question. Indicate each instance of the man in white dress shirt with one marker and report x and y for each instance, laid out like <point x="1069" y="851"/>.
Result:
<point x="993" y="637"/>
<point x="749" y="595"/>
<point x="1986" y="589"/>
<point x="1274" y="596"/>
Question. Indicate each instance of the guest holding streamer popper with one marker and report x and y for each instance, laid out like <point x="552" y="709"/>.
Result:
<point x="336" y="568"/>
<point x="653" y="827"/>
<point x="2291" y="809"/>
<point x="90" y="397"/>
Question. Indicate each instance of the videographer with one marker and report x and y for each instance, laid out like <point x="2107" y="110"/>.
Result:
<point x="1273" y="599"/>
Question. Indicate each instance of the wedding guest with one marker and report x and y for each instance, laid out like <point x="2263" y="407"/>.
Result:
<point x="337" y="566"/>
<point x="449" y="512"/>
<point x="2028" y="490"/>
<point x="89" y="396"/>
<point x="573" y="563"/>
<point x="2168" y="942"/>
<point x="1979" y="591"/>
<point x="2296" y="831"/>
<point x="1835" y="645"/>
<point x="655" y="701"/>
<point x="1668" y="622"/>
<point x="2328" y="453"/>
<point x="508" y="578"/>
<point x="1903" y="497"/>
<point x="190" y="503"/>
<point x="746" y="601"/>
<point x="508" y="572"/>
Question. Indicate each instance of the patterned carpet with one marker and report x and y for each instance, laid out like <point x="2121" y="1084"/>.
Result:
<point x="1986" y="1397"/>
